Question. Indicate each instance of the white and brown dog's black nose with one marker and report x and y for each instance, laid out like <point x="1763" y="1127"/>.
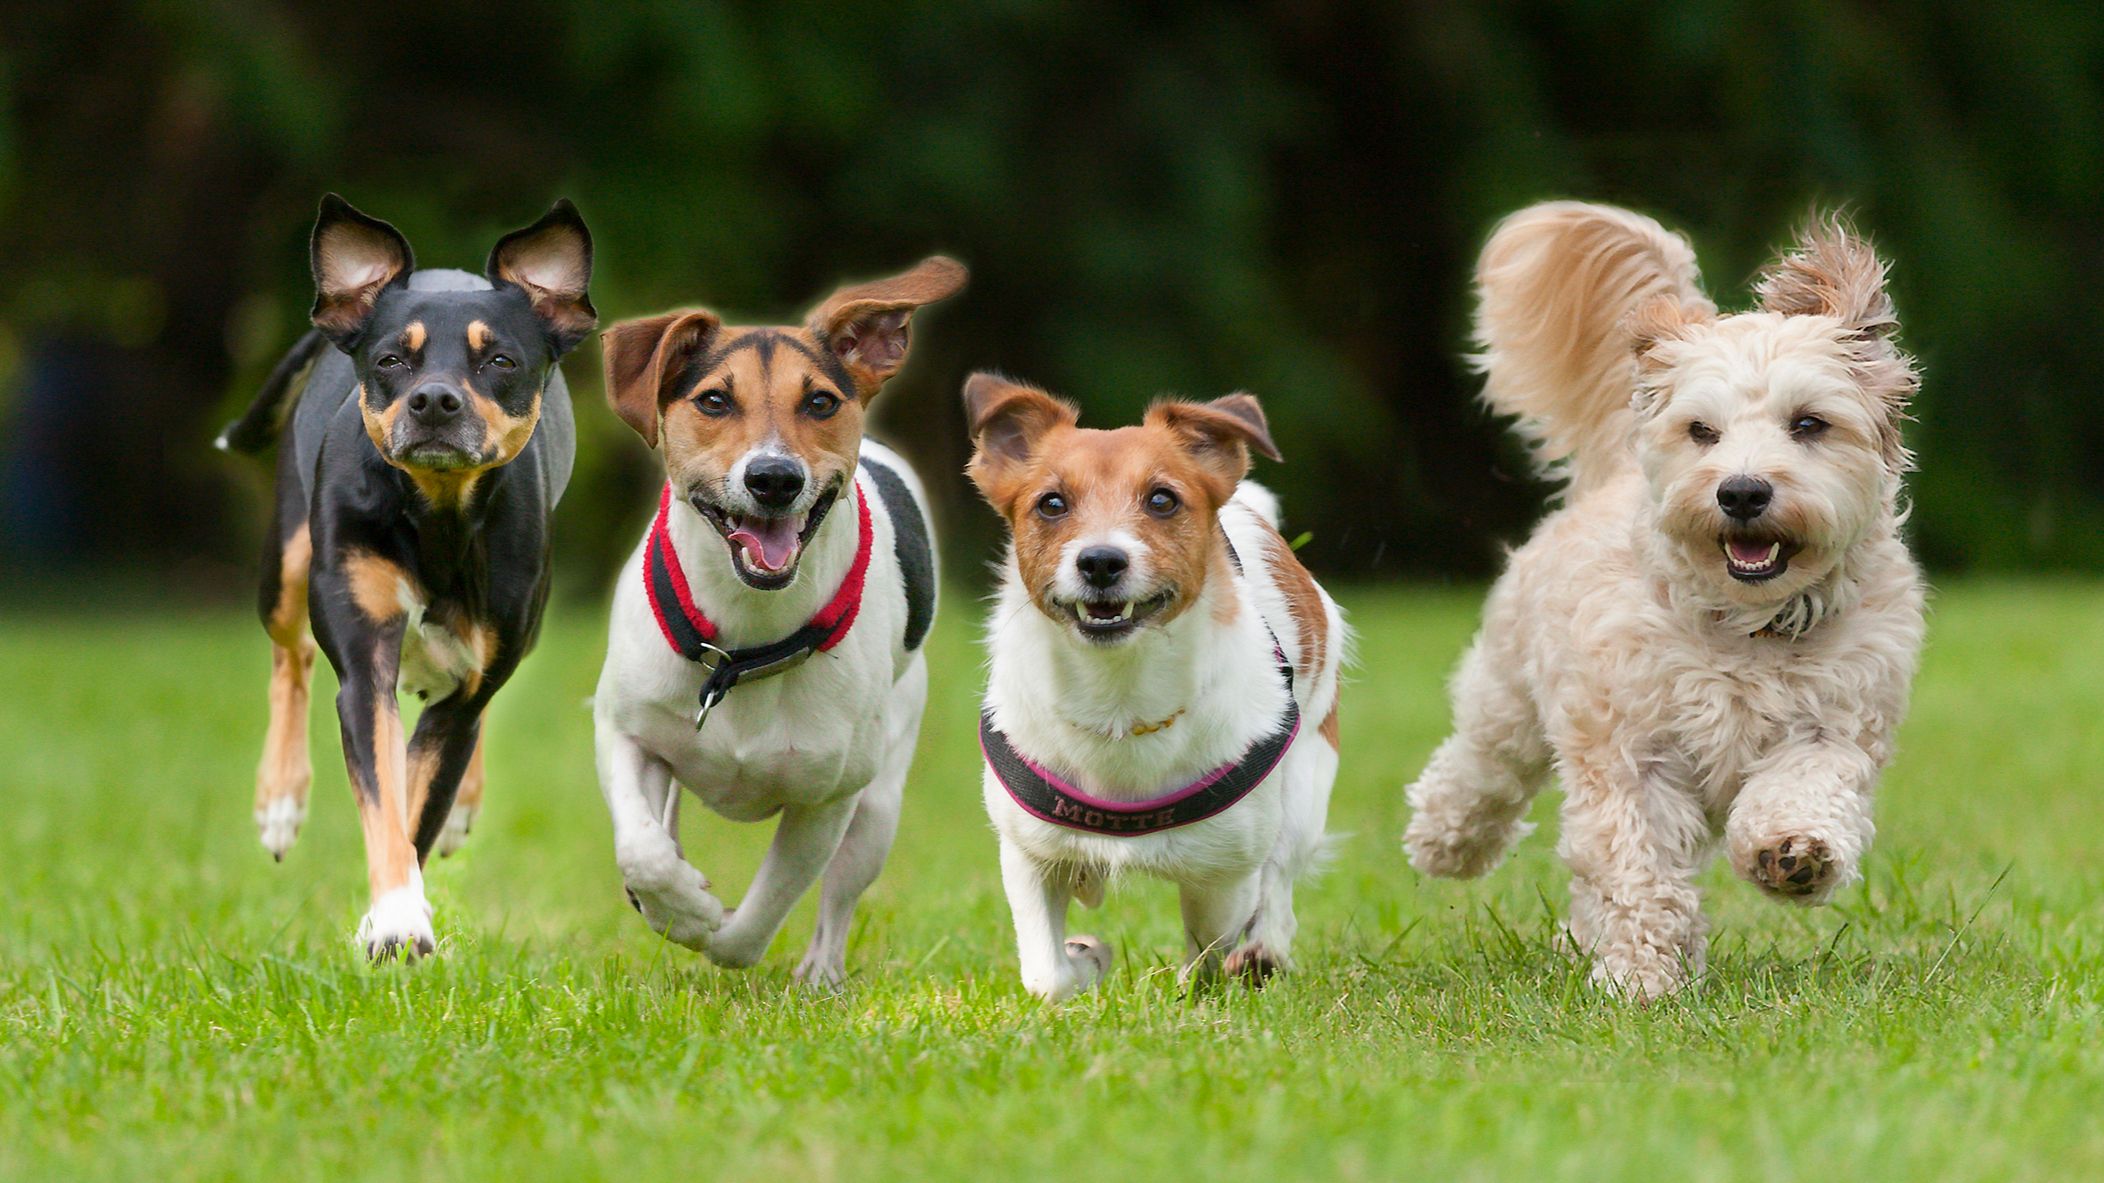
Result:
<point x="1102" y="567"/>
<point x="1744" y="498"/>
<point x="435" y="404"/>
<point x="775" y="482"/>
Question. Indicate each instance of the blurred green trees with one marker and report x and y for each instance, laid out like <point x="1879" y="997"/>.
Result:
<point x="1197" y="198"/>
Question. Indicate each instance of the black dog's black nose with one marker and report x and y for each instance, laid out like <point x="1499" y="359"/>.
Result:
<point x="1744" y="498"/>
<point x="1102" y="566"/>
<point x="434" y="406"/>
<point x="774" y="481"/>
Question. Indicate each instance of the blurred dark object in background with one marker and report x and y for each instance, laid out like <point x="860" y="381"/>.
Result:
<point x="1283" y="198"/>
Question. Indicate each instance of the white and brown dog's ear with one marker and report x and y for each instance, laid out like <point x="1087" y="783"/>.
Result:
<point x="1006" y="421"/>
<point x="551" y="261"/>
<point x="1220" y="434"/>
<point x="1651" y="327"/>
<point x="1833" y="271"/>
<point x="644" y="357"/>
<point x="868" y="325"/>
<point x="354" y="259"/>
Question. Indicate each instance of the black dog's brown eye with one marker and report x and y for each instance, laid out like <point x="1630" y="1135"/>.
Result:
<point x="713" y="403"/>
<point x="389" y="361"/>
<point x="1052" y="505"/>
<point x="1702" y="433"/>
<point x="500" y="361"/>
<point x="1806" y="427"/>
<point x="1161" y="503"/>
<point x="821" y="404"/>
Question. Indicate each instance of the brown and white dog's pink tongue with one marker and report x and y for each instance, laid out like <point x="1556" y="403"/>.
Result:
<point x="770" y="543"/>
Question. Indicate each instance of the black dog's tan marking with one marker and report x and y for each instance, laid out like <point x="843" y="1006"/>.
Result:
<point x="424" y="456"/>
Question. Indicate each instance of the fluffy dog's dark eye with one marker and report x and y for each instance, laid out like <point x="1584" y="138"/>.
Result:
<point x="1161" y="503"/>
<point x="1052" y="505"/>
<point x="1702" y="433"/>
<point x="500" y="361"/>
<point x="821" y="404"/>
<point x="1806" y="427"/>
<point x="388" y="361"/>
<point x="713" y="403"/>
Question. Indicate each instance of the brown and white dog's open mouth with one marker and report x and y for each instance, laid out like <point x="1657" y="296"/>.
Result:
<point x="765" y="549"/>
<point x="1754" y="558"/>
<point x="1106" y="620"/>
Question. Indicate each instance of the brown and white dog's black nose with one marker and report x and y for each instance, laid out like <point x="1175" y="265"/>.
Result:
<point x="1102" y="566"/>
<point x="1744" y="498"/>
<point x="775" y="482"/>
<point x="435" y="405"/>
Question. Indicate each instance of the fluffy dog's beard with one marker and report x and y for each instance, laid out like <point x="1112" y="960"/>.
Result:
<point x="1822" y="515"/>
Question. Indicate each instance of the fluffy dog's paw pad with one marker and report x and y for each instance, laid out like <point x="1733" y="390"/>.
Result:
<point x="1794" y="867"/>
<point x="1254" y="963"/>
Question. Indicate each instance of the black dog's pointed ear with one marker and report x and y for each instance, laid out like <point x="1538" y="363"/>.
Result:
<point x="354" y="259"/>
<point x="551" y="261"/>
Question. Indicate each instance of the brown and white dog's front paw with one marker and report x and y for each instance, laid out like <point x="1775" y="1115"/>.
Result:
<point x="1795" y="867"/>
<point x="278" y="824"/>
<point x="1254" y="963"/>
<point x="458" y="823"/>
<point x="398" y="925"/>
<point x="672" y="895"/>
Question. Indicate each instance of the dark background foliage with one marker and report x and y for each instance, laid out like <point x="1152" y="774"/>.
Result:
<point x="1194" y="198"/>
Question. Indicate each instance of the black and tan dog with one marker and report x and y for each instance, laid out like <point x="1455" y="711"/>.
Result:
<point x="426" y="451"/>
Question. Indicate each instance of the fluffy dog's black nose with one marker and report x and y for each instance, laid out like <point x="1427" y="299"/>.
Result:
<point x="434" y="406"/>
<point x="1102" y="566"/>
<point x="1744" y="498"/>
<point x="774" y="481"/>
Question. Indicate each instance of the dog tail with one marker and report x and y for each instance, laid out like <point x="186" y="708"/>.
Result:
<point x="1553" y="287"/>
<point x="259" y="425"/>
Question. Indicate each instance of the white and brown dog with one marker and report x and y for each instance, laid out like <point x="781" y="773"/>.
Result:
<point x="1155" y="648"/>
<point x="1716" y="634"/>
<point x="765" y="650"/>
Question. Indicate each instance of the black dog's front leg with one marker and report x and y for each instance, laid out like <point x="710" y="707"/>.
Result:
<point x="439" y="755"/>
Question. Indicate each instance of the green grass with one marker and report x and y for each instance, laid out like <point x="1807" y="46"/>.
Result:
<point x="173" y="1004"/>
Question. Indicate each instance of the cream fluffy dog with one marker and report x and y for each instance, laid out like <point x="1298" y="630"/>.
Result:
<point x="1715" y="635"/>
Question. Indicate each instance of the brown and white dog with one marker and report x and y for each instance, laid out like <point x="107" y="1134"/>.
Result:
<point x="782" y="594"/>
<point x="1155" y="646"/>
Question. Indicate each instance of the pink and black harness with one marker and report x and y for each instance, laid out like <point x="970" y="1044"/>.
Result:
<point x="1045" y="796"/>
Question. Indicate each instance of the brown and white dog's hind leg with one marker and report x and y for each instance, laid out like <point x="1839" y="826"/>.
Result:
<point x="868" y="840"/>
<point x="1217" y="917"/>
<point x="286" y="771"/>
<point x="467" y="805"/>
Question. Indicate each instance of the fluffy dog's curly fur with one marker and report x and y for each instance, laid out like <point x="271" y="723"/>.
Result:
<point x="1716" y="633"/>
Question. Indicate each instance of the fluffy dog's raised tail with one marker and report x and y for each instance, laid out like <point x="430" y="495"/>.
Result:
<point x="259" y="425"/>
<point x="1554" y="286"/>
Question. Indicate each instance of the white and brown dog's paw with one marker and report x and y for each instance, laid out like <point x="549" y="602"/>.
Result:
<point x="399" y="925"/>
<point x="1255" y="963"/>
<point x="1795" y="867"/>
<point x="673" y="896"/>
<point x="459" y="823"/>
<point x="1090" y="958"/>
<point x="278" y="825"/>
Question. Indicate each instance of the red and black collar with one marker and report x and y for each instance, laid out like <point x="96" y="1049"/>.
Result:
<point x="692" y="634"/>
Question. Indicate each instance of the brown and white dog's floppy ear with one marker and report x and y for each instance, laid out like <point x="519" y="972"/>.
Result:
<point x="643" y="356"/>
<point x="1219" y="434"/>
<point x="354" y="259"/>
<point x="868" y="324"/>
<point x="1006" y="420"/>
<point x="551" y="261"/>
<point x="1833" y="271"/>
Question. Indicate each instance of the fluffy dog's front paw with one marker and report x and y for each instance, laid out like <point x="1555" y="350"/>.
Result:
<point x="1641" y="979"/>
<point x="1796" y="868"/>
<point x="1464" y="848"/>
<point x="458" y="823"/>
<point x="399" y="925"/>
<point x="278" y="824"/>
<point x="821" y="973"/>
